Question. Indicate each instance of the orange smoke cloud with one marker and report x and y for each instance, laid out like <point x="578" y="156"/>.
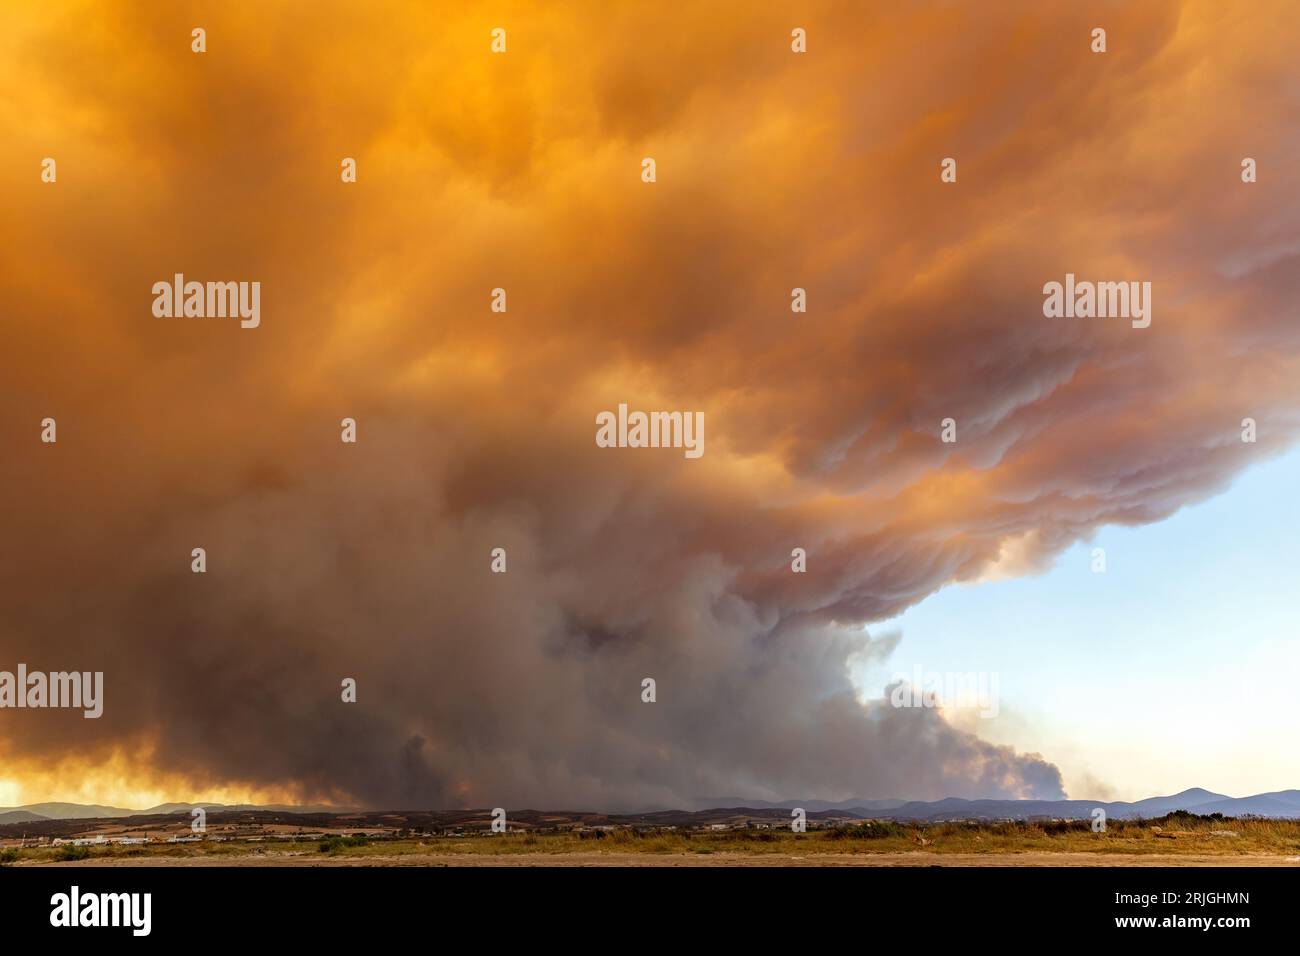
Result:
<point x="521" y="171"/>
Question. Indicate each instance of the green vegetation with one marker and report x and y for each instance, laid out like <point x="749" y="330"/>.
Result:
<point x="869" y="830"/>
<point x="335" y="844"/>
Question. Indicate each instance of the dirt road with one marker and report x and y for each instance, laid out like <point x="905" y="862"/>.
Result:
<point x="916" y="858"/>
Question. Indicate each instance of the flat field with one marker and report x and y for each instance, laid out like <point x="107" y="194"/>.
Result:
<point x="1178" y="842"/>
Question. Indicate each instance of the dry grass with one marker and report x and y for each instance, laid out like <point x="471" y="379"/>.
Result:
<point x="1195" y="836"/>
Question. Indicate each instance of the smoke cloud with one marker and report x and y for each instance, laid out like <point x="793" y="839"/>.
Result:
<point x="475" y="429"/>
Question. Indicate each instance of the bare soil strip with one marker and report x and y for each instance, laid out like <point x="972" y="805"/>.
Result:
<point x="915" y="858"/>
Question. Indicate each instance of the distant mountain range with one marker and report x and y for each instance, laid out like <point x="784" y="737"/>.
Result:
<point x="1280" y="804"/>
<point x="90" y="811"/>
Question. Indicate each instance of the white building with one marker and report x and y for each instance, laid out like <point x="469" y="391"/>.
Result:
<point x="81" y="841"/>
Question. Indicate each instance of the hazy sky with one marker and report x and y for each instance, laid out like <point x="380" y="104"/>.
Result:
<point x="522" y="170"/>
<point x="1188" y="641"/>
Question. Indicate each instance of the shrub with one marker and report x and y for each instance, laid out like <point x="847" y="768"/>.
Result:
<point x="867" y="830"/>
<point x="1058" y="827"/>
<point x="333" y="844"/>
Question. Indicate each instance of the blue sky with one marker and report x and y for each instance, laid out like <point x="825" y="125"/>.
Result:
<point x="1176" y="667"/>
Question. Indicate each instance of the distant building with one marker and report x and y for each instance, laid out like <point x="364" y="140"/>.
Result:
<point x="81" y="841"/>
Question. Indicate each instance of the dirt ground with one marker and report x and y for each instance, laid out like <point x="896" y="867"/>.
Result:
<point x="917" y="858"/>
